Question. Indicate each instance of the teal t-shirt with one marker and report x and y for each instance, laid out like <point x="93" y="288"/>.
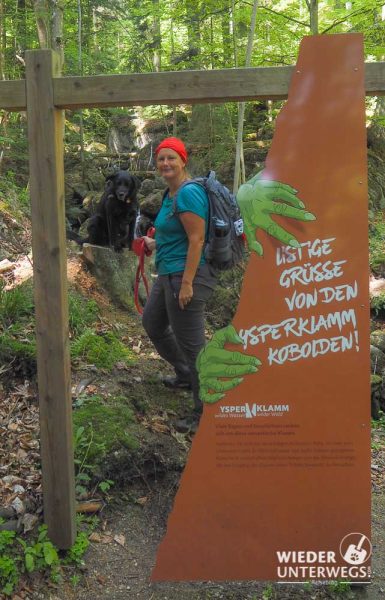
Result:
<point x="170" y="236"/>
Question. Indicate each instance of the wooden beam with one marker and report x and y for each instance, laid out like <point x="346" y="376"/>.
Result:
<point x="12" y="95"/>
<point x="189" y="87"/>
<point x="45" y="136"/>
<point x="175" y="87"/>
<point x="375" y="79"/>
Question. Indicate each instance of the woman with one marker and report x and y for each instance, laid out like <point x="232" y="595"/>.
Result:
<point x="174" y="313"/>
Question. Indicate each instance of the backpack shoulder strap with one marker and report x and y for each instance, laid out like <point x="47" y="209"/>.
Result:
<point x="197" y="180"/>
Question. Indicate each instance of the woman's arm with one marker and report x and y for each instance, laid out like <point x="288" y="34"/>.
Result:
<point x="195" y="231"/>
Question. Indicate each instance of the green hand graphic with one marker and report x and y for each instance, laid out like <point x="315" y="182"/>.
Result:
<point x="214" y="361"/>
<point x="257" y="202"/>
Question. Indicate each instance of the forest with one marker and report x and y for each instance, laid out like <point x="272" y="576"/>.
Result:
<point x="128" y="455"/>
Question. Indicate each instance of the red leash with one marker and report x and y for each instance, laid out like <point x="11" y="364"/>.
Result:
<point x="141" y="250"/>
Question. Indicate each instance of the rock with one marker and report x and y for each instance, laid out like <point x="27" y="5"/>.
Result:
<point x="116" y="272"/>
<point x="6" y="512"/>
<point x="29" y="521"/>
<point x="18" y="505"/>
<point x="147" y="187"/>
<point x="375" y="395"/>
<point x="10" y="479"/>
<point x="377" y="360"/>
<point x="18" y="489"/>
<point x="376" y="286"/>
<point x="10" y="526"/>
<point x="6" y="265"/>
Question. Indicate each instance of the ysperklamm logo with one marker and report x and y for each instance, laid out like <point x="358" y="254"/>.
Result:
<point x="250" y="411"/>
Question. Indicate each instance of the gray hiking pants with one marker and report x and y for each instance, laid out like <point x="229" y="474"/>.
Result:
<point x="178" y="335"/>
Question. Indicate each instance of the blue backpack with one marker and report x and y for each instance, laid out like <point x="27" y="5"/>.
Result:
<point x="224" y="245"/>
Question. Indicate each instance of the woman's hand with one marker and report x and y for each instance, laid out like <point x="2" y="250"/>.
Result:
<point x="150" y="242"/>
<point x="185" y="294"/>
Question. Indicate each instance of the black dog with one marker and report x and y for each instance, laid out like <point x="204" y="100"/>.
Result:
<point x="113" y="223"/>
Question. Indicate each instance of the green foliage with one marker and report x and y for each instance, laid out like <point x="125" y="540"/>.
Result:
<point x="6" y="539"/>
<point x="105" y="486"/>
<point x="268" y="592"/>
<point x="76" y="552"/>
<point x="380" y="422"/>
<point x="9" y="574"/>
<point x="339" y="587"/>
<point x="15" y="304"/>
<point x="40" y="554"/>
<point x="19" y="556"/>
<point x="25" y="556"/>
<point x="377" y="245"/>
<point x="11" y="347"/>
<point x="17" y="339"/>
<point x="103" y="350"/>
<point x="377" y="304"/>
<point x="75" y="580"/>
<point x="82" y="313"/>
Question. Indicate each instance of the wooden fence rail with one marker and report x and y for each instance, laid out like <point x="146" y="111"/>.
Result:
<point x="176" y="87"/>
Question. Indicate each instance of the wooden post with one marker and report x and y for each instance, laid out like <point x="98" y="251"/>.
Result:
<point x="45" y="135"/>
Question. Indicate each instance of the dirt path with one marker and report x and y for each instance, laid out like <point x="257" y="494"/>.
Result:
<point x="116" y="572"/>
<point x="122" y="553"/>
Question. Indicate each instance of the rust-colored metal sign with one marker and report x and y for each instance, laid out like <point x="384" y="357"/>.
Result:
<point x="277" y="485"/>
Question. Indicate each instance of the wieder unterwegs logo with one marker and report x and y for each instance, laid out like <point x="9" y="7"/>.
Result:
<point x="251" y="411"/>
<point x="304" y="565"/>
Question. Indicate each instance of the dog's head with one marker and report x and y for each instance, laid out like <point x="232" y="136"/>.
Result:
<point x="123" y="185"/>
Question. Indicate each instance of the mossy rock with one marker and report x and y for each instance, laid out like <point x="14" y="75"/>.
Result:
<point x="377" y="360"/>
<point x="377" y="339"/>
<point x="375" y="380"/>
<point x="376" y="400"/>
<point x="102" y="427"/>
<point x="110" y="443"/>
<point x="377" y="305"/>
<point x="116" y="272"/>
<point x="378" y="265"/>
<point x="20" y="354"/>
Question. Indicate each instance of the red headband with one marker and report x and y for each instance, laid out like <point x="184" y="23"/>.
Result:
<point x="175" y="144"/>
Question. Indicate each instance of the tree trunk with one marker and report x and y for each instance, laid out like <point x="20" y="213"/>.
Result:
<point x="192" y="8"/>
<point x="226" y="38"/>
<point x="174" y="122"/>
<point x="157" y="38"/>
<point x="234" y="30"/>
<point x="241" y="105"/>
<point x="3" y="123"/>
<point x="2" y="41"/>
<point x="42" y="20"/>
<point x="313" y="11"/>
<point x="57" y="29"/>
<point x="80" y="65"/>
<point x="193" y="32"/>
<point x="19" y="34"/>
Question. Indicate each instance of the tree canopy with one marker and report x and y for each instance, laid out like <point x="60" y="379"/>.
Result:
<point x="121" y="36"/>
